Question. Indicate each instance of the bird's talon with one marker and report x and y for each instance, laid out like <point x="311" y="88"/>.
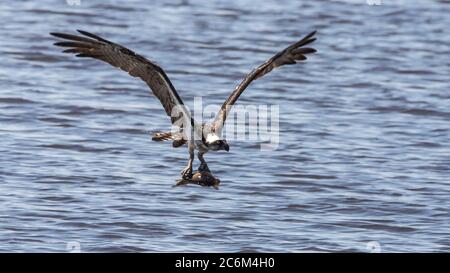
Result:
<point x="203" y="168"/>
<point x="186" y="173"/>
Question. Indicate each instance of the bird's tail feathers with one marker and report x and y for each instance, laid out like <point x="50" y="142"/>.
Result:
<point x="177" y="138"/>
<point x="162" y="136"/>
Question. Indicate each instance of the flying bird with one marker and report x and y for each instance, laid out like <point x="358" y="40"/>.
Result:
<point x="202" y="137"/>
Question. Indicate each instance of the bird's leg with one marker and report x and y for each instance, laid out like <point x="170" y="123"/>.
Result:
<point x="186" y="173"/>
<point x="203" y="166"/>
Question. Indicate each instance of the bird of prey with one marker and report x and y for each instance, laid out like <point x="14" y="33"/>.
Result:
<point x="208" y="135"/>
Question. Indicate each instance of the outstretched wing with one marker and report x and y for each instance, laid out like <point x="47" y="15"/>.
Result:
<point x="291" y="54"/>
<point x="93" y="46"/>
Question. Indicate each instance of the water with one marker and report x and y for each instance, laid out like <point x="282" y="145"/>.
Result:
<point x="364" y="153"/>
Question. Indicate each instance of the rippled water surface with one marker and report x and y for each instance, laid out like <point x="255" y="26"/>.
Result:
<point x="364" y="148"/>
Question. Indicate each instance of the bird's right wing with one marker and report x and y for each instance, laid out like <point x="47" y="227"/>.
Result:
<point x="290" y="55"/>
<point x="93" y="46"/>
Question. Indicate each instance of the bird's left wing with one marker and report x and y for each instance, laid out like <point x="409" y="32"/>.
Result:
<point x="291" y="54"/>
<point x="93" y="46"/>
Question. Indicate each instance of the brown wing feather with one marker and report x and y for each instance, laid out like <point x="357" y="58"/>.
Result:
<point x="93" y="46"/>
<point x="291" y="54"/>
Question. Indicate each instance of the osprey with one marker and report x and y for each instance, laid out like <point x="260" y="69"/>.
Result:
<point x="208" y="135"/>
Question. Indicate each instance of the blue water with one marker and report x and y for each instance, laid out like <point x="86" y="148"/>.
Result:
<point x="364" y="150"/>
